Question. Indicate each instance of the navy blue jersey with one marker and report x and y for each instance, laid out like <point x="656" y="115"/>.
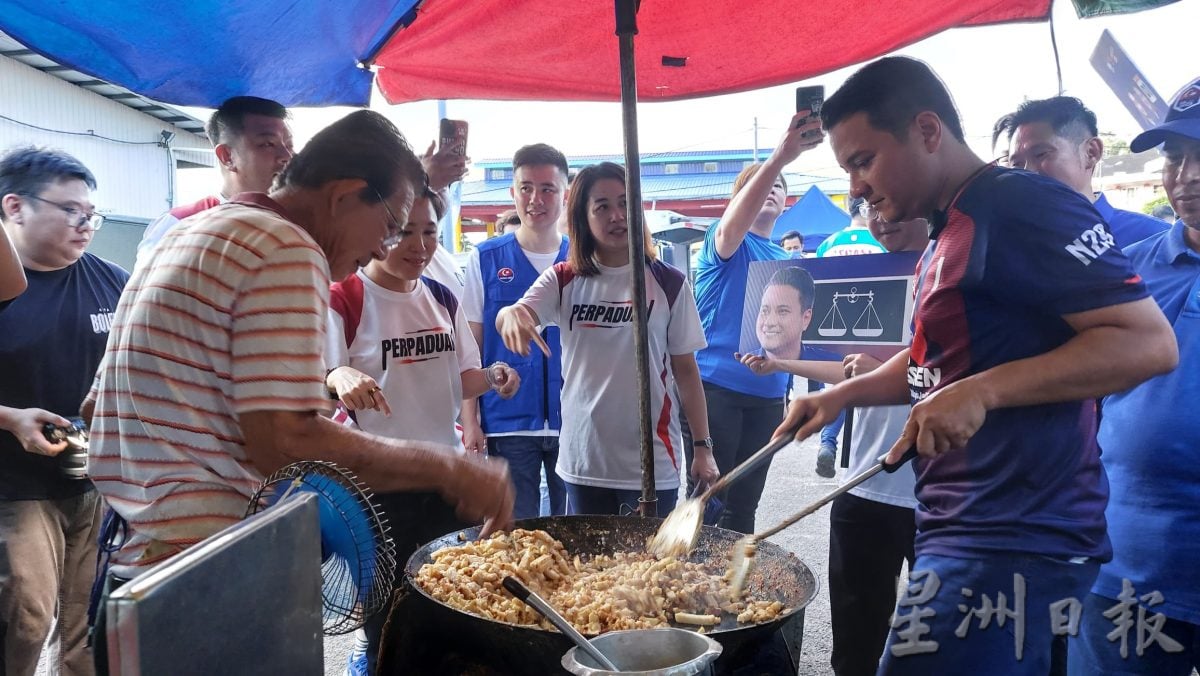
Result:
<point x="51" y="340"/>
<point x="1011" y="255"/>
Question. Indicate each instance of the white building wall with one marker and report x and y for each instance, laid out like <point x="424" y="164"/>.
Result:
<point x="133" y="179"/>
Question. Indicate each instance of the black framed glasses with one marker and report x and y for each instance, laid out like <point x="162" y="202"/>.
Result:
<point x="394" y="234"/>
<point x="75" y="218"/>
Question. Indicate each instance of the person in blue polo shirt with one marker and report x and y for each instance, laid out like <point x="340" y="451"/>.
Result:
<point x="1152" y="448"/>
<point x="1057" y="137"/>
<point x="742" y="407"/>
<point x="522" y="430"/>
<point x="1024" y="312"/>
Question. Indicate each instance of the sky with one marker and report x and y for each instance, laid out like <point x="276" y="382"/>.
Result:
<point x="989" y="71"/>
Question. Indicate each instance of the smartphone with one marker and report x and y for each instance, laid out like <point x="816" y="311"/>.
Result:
<point x="454" y="136"/>
<point x="811" y="99"/>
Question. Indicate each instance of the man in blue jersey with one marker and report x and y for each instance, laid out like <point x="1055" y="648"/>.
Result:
<point x="1152" y="448"/>
<point x="523" y="430"/>
<point x="51" y="340"/>
<point x="1025" y="311"/>
<point x="1058" y="138"/>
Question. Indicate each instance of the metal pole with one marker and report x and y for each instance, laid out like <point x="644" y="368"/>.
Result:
<point x="449" y="232"/>
<point x="756" y="139"/>
<point x="626" y="30"/>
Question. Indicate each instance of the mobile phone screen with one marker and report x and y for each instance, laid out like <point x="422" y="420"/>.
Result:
<point x="811" y="99"/>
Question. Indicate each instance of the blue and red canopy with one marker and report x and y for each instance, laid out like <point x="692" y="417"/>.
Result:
<point x="315" y="53"/>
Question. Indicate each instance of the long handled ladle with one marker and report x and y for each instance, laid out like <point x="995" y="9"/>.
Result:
<point x="678" y="533"/>
<point x="514" y="587"/>
<point x="742" y="562"/>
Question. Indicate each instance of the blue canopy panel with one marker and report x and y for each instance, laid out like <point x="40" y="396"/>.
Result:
<point x="815" y="216"/>
<point x="303" y="52"/>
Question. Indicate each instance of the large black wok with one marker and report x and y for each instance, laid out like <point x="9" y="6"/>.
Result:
<point x="418" y="622"/>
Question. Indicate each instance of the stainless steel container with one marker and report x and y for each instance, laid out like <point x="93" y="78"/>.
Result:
<point x="648" y="652"/>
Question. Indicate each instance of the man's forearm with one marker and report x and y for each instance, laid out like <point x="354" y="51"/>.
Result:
<point x="386" y="465"/>
<point x="1095" y="363"/>
<point x="885" y="386"/>
<point x="823" y="371"/>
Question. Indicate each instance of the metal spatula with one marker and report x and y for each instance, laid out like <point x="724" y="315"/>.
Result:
<point x="742" y="558"/>
<point x="681" y="529"/>
<point x="514" y="587"/>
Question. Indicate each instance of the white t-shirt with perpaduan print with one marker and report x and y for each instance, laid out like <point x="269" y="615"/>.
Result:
<point x="599" y="441"/>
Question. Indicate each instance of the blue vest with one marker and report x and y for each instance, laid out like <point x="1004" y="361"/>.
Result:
<point x="507" y="274"/>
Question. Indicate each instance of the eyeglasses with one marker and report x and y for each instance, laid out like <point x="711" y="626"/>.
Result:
<point x="869" y="212"/>
<point x="394" y="235"/>
<point x="75" y="218"/>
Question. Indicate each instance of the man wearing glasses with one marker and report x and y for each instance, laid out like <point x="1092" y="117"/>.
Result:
<point x="52" y="338"/>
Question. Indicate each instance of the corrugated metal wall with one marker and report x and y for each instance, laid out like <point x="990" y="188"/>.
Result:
<point x="133" y="179"/>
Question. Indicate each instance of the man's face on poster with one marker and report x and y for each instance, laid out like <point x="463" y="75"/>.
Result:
<point x="782" y="320"/>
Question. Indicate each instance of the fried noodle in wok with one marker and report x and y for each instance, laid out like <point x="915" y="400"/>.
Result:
<point x="597" y="594"/>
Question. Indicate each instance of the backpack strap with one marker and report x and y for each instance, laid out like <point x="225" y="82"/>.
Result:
<point x="346" y="299"/>
<point x="444" y="296"/>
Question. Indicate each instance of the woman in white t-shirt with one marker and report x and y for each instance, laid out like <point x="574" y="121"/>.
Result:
<point x="590" y="298"/>
<point x="401" y="359"/>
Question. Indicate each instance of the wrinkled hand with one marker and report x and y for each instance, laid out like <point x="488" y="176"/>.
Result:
<point x="704" y="468"/>
<point x="443" y="167"/>
<point x="26" y="426"/>
<point x="794" y="143"/>
<point x="946" y="420"/>
<point x="480" y="489"/>
<point x="517" y="329"/>
<point x="474" y="440"/>
<point x="859" y="364"/>
<point x="357" y="390"/>
<point x="508" y="381"/>
<point x="811" y="413"/>
<point x="761" y="366"/>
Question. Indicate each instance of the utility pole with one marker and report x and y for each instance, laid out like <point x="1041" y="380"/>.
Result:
<point x="756" y="139"/>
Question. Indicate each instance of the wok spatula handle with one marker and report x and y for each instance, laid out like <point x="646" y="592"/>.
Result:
<point x="750" y="464"/>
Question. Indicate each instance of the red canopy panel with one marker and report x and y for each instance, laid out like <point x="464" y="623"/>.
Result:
<point x="566" y="50"/>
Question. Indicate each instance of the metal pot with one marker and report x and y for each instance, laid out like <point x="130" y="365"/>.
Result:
<point x="648" y="652"/>
<point x="522" y="649"/>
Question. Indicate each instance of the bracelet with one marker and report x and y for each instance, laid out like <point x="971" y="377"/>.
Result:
<point x="489" y="375"/>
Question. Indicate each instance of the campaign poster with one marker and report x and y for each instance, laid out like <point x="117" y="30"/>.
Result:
<point x="858" y="304"/>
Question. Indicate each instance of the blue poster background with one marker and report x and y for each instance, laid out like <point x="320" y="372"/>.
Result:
<point x="861" y="302"/>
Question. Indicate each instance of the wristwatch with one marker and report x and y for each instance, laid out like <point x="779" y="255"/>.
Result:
<point x="706" y="442"/>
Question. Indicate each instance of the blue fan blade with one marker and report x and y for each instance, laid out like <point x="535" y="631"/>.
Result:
<point x="345" y="528"/>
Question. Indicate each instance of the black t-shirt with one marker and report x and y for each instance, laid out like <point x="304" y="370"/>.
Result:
<point x="51" y="340"/>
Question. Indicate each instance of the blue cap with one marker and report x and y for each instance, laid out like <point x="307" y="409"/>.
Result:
<point x="1183" y="118"/>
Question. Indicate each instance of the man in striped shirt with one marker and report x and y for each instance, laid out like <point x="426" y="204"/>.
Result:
<point x="214" y="374"/>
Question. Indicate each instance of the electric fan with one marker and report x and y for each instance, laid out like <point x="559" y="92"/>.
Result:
<point x="358" y="560"/>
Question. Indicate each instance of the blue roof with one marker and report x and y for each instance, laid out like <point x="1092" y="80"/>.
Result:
<point x="674" y="187"/>
<point x="647" y="158"/>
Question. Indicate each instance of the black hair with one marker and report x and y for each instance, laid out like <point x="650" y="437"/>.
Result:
<point x="1065" y="114"/>
<point x="541" y="154"/>
<point x="792" y="234"/>
<point x="436" y="201"/>
<point x="27" y="170"/>
<point x="892" y="91"/>
<point x="1003" y="127"/>
<point x="363" y="145"/>
<point x="1164" y="211"/>
<point x="799" y="279"/>
<point x="228" y="121"/>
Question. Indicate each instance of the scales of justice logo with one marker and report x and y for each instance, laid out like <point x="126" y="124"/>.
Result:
<point x="868" y="324"/>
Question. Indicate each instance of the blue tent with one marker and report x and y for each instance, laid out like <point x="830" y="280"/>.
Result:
<point x="815" y="216"/>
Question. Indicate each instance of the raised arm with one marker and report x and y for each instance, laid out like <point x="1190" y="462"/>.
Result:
<point x="12" y="273"/>
<point x="744" y="207"/>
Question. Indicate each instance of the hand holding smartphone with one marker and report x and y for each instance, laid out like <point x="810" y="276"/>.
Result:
<point x="453" y="137"/>
<point x="810" y="99"/>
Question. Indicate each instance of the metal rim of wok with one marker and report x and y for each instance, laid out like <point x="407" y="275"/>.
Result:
<point x="778" y="574"/>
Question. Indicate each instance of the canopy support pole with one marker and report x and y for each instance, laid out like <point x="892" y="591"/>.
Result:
<point x="626" y="30"/>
